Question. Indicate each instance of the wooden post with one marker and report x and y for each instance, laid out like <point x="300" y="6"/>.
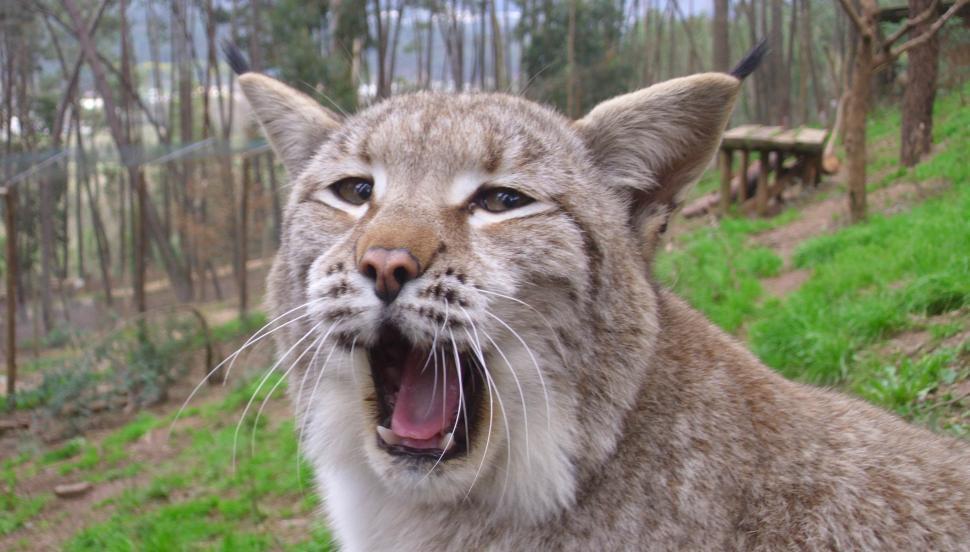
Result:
<point x="10" y="221"/>
<point x="761" y="194"/>
<point x="810" y="172"/>
<point x="777" y="185"/>
<point x="244" y="235"/>
<point x="743" y="191"/>
<point x="140" y="241"/>
<point x="727" y="158"/>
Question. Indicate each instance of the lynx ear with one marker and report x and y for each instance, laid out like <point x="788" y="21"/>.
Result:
<point x="294" y="123"/>
<point x="656" y="141"/>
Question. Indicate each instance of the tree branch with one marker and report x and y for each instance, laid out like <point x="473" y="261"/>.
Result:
<point x="856" y="19"/>
<point x="160" y="130"/>
<point x="913" y="42"/>
<point x="910" y="23"/>
<point x="68" y="97"/>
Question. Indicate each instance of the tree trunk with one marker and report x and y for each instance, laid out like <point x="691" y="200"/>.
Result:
<point x="721" y="58"/>
<point x="920" y="92"/>
<point x="498" y="52"/>
<point x="855" y="128"/>
<point x="778" y="76"/>
<point x="382" y="88"/>
<point x="47" y="246"/>
<point x="397" y="34"/>
<point x="571" y="108"/>
<point x="119" y="136"/>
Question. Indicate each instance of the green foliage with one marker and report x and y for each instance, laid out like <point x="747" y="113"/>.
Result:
<point x="599" y="24"/>
<point x="16" y="509"/>
<point x="718" y="271"/>
<point x="295" y="53"/>
<point x="69" y="450"/>
<point x="905" y="385"/>
<point x="134" y="365"/>
<point x="235" y="328"/>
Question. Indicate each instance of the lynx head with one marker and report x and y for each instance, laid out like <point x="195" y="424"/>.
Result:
<point x="467" y="277"/>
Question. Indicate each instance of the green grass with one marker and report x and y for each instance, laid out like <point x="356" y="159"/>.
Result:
<point x="199" y="499"/>
<point x="868" y="279"/>
<point x="905" y="385"/>
<point x="718" y="271"/>
<point x="867" y="282"/>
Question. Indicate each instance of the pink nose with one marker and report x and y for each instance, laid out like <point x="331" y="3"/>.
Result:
<point x="390" y="269"/>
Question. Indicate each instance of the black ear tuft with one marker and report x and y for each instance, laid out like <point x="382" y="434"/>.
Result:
<point x="751" y="60"/>
<point x="235" y="57"/>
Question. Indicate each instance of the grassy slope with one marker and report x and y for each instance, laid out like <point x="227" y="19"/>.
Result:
<point x="199" y="499"/>
<point x="196" y="498"/>
<point x="868" y="282"/>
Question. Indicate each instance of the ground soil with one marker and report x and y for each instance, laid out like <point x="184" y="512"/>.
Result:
<point x="62" y="518"/>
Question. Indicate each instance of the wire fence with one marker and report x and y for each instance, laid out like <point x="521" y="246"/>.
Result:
<point x="95" y="236"/>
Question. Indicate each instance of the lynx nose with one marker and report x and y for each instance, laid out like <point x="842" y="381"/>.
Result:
<point x="390" y="269"/>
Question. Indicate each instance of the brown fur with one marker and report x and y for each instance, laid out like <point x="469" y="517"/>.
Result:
<point x="663" y="432"/>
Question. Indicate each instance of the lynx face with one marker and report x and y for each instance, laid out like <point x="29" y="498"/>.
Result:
<point x="463" y="271"/>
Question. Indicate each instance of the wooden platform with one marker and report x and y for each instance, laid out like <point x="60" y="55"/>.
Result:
<point x="775" y="138"/>
<point x="773" y="144"/>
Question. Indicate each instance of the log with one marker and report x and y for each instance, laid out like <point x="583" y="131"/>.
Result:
<point x="72" y="490"/>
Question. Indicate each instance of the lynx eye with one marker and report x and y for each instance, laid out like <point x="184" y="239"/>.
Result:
<point x="499" y="200"/>
<point x="353" y="190"/>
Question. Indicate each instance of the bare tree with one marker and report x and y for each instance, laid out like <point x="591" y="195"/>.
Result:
<point x="720" y="45"/>
<point x="498" y="49"/>
<point x="919" y="93"/>
<point x="872" y="54"/>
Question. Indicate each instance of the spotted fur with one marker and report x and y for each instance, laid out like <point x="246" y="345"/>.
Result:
<point x="660" y="431"/>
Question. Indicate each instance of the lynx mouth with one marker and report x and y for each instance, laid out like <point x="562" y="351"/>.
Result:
<point x="426" y="401"/>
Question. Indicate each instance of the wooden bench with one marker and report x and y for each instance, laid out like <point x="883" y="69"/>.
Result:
<point x="805" y="144"/>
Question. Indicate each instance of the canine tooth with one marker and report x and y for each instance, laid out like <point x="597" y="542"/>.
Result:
<point x="447" y="441"/>
<point x="388" y="436"/>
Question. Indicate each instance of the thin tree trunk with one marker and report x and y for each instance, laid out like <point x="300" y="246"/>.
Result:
<point x="119" y="136"/>
<point x="429" y="52"/>
<point x="397" y="34"/>
<point x="571" y="108"/>
<point x="919" y="93"/>
<point x="855" y="128"/>
<point x="381" y="30"/>
<point x="100" y="235"/>
<point x="498" y="49"/>
<point x="721" y="46"/>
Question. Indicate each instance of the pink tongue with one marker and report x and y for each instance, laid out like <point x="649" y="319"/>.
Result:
<point x="423" y="410"/>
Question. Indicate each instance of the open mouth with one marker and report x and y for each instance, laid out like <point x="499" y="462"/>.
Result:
<point x="426" y="401"/>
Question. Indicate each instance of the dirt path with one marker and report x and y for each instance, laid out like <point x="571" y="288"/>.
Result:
<point x="831" y="213"/>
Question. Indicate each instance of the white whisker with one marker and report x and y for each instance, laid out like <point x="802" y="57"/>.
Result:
<point x="251" y="341"/>
<point x="259" y="412"/>
<point x="298" y="402"/>
<point x="525" y="416"/>
<point x="235" y="438"/>
<point x="555" y="335"/>
<point x="313" y="393"/>
<point x="535" y="363"/>
<point x="488" y="435"/>
<point x="505" y="419"/>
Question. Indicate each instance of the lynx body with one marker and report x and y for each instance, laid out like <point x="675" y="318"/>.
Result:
<point x="491" y="365"/>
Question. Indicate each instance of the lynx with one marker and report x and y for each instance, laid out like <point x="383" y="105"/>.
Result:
<point x="481" y="359"/>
